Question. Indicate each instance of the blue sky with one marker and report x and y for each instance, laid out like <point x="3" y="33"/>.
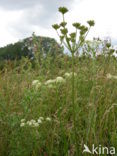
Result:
<point x="20" y="18"/>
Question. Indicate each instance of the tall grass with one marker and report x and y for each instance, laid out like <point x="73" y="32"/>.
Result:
<point x="95" y="109"/>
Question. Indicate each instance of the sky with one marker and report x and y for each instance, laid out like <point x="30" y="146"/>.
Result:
<point x="20" y="18"/>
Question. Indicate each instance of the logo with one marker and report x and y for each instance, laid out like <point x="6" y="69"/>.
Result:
<point x="99" y="150"/>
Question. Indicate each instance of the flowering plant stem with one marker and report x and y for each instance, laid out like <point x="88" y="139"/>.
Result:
<point x="73" y="105"/>
<point x="72" y="42"/>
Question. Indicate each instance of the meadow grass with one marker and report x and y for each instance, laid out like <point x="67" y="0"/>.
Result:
<point x="95" y="100"/>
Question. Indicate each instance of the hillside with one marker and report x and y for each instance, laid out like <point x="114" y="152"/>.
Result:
<point x="29" y="46"/>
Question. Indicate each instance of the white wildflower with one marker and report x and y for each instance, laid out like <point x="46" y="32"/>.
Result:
<point x="60" y="80"/>
<point x="109" y="76"/>
<point x="32" y="121"/>
<point x="48" y="119"/>
<point x="35" y="82"/>
<point x="22" y="124"/>
<point x="67" y="75"/>
<point x="50" y="82"/>
<point x="39" y="121"/>
<point x="115" y="77"/>
<point x="38" y="85"/>
<point x="29" y="123"/>
<point x="23" y="120"/>
<point x="35" y="124"/>
<point x="50" y="86"/>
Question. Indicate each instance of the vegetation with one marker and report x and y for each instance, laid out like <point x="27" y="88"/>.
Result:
<point x="54" y="107"/>
<point x="29" y="45"/>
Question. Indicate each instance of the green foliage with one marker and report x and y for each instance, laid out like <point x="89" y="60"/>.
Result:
<point x="43" y="45"/>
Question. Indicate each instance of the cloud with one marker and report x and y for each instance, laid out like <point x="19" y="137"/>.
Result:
<point x="22" y="17"/>
<point x="19" y="18"/>
<point x="102" y="11"/>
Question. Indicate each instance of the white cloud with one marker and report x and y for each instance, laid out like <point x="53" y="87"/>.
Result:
<point x="19" y="23"/>
<point x="6" y="35"/>
<point x="102" y="11"/>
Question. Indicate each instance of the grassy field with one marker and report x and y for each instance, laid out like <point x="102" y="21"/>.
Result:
<point x="37" y="117"/>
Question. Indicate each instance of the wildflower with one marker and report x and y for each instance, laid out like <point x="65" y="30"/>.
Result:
<point x="23" y="120"/>
<point x="73" y="35"/>
<point x="67" y="75"/>
<point x="38" y="85"/>
<point x="82" y="27"/>
<point x="48" y="119"/>
<point x="29" y="123"/>
<point x="63" y="10"/>
<point x="22" y="124"/>
<point x="56" y="26"/>
<point x="60" y="80"/>
<point x="77" y="25"/>
<point x="63" y="24"/>
<point x="49" y="82"/>
<point x="36" y="124"/>
<point x="50" y="86"/>
<point x="64" y="31"/>
<point x="35" y="82"/>
<point x="109" y="76"/>
<point x="91" y="23"/>
<point x="33" y="121"/>
<point x="83" y="30"/>
<point x="39" y="121"/>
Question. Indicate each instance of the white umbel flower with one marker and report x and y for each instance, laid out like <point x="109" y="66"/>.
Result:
<point x="67" y="75"/>
<point x="23" y="120"/>
<point x="22" y="124"/>
<point x="48" y="119"/>
<point x="33" y="121"/>
<point x="109" y="76"/>
<point x="29" y="123"/>
<point x="38" y="85"/>
<point x="50" y="82"/>
<point x="39" y="121"/>
<point x="36" y="124"/>
<point x="35" y="82"/>
<point x="50" y="86"/>
<point x="60" y="80"/>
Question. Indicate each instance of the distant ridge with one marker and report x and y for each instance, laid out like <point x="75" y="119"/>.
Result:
<point x="30" y="45"/>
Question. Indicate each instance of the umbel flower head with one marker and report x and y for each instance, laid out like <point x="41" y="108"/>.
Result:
<point x="91" y="23"/>
<point x="73" y="35"/>
<point x="63" y="10"/>
<point x="55" y="26"/>
<point x="70" y="41"/>
<point x="77" y="25"/>
<point x="60" y="79"/>
<point x="64" y="31"/>
<point x="63" y="24"/>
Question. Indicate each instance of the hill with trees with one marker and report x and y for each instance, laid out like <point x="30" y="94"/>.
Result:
<point x="29" y="47"/>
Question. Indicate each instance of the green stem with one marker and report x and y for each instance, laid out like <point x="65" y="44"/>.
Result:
<point x="73" y="104"/>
